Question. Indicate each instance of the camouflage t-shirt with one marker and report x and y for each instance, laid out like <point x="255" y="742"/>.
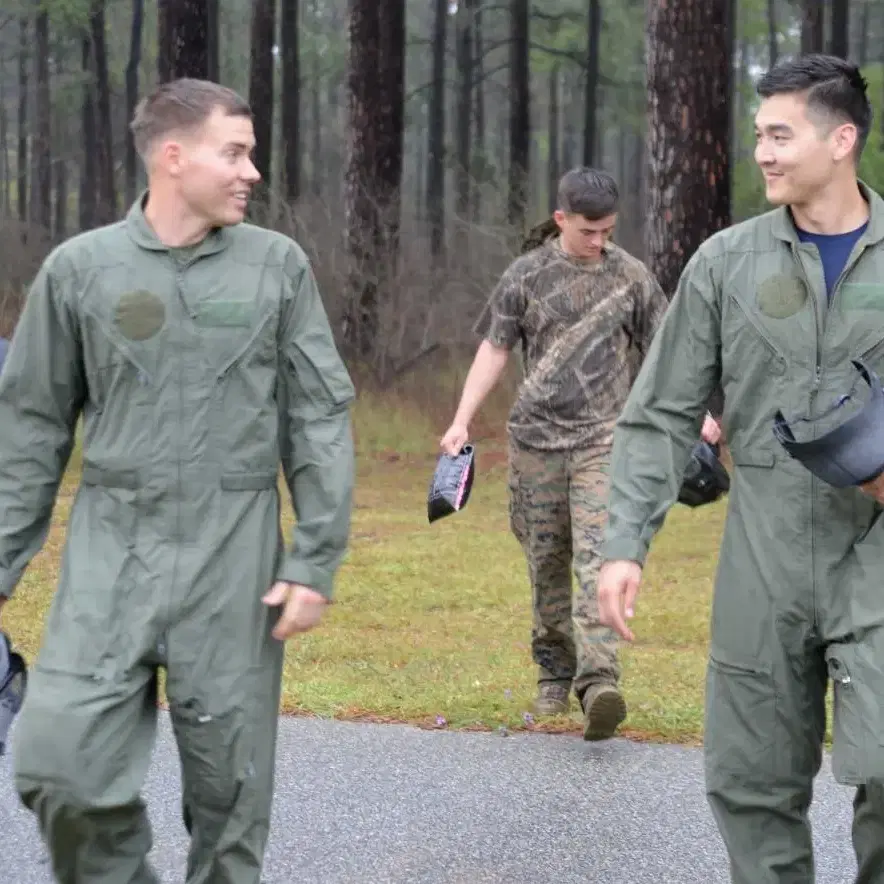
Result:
<point x="585" y="329"/>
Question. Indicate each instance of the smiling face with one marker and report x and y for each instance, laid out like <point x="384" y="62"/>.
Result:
<point x="212" y="167"/>
<point x="799" y="150"/>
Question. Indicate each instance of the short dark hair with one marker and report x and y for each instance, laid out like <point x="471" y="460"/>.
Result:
<point x="591" y="193"/>
<point x="835" y="90"/>
<point x="182" y="104"/>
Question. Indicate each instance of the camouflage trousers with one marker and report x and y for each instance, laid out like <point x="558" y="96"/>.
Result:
<point x="557" y="513"/>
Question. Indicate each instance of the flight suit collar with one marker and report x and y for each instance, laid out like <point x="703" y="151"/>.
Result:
<point x="144" y="236"/>
<point x="784" y="226"/>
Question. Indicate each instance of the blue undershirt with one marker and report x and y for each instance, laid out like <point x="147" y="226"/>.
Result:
<point x="834" y="251"/>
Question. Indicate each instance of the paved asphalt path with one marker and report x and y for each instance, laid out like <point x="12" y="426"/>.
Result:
<point x="384" y="804"/>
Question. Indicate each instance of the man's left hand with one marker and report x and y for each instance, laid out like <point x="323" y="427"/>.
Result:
<point x="875" y="488"/>
<point x="303" y="608"/>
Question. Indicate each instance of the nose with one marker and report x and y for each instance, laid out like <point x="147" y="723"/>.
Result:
<point x="250" y="172"/>
<point x="763" y="154"/>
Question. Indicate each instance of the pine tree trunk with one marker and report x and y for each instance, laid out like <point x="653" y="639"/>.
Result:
<point x="88" y="200"/>
<point x="261" y="85"/>
<point x="689" y="88"/>
<point x="520" y="114"/>
<point x="839" y="43"/>
<point x="590" y="94"/>
<point x="132" y="68"/>
<point x="24" y="26"/>
<point x="107" y="193"/>
<point x="291" y="98"/>
<point x="812" y="26"/>
<point x="553" y="157"/>
<point x="436" y="133"/>
<point x="184" y="31"/>
<point x="41" y="198"/>
<point x="374" y="164"/>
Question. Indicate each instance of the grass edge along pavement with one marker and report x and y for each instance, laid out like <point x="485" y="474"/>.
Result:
<point x="431" y="625"/>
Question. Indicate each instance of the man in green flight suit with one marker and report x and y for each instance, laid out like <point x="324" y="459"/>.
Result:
<point x="775" y="308"/>
<point x="196" y="351"/>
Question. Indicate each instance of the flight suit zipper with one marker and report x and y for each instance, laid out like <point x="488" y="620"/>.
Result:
<point x="822" y="335"/>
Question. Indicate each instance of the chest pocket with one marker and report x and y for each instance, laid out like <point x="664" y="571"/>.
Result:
<point x="857" y="324"/>
<point x="238" y="333"/>
<point x="755" y="372"/>
<point x="123" y="340"/>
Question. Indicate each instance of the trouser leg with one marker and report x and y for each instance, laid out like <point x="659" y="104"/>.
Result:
<point x="765" y="724"/>
<point x="224" y="707"/>
<point x="868" y="832"/>
<point x="856" y="664"/>
<point x="596" y="645"/>
<point x="81" y="752"/>
<point x="540" y="519"/>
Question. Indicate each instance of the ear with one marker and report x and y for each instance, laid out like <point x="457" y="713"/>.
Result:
<point x="559" y="218"/>
<point x="171" y="157"/>
<point x="845" y="138"/>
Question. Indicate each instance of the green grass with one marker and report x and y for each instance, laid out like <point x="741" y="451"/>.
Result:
<point x="433" y="621"/>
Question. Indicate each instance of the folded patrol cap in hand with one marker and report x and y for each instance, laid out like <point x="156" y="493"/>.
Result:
<point x="13" y="680"/>
<point x="451" y="484"/>
<point x="705" y="479"/>
<point x="852" y="453"/>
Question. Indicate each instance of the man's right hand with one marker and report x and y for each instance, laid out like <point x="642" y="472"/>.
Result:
<point x="617" y="590"/>
<point x="455" y="439"/>
<point x="711" y="431"/>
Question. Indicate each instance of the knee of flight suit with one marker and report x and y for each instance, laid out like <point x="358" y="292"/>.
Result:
<point x="749" y="749"/>
<point x="226" y="760"/>
<point x="85" y="745"/>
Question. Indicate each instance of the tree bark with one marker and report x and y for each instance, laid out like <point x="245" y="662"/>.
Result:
<point x="213" y="40"/>
<point x="479" y="163"/>
<point x="183" y="37"/>
<point x="463" y="124"/>
<point x="839" y="43"/>
<point x="41" y="198"/>
<point x="590" y="95"/>
<point x="436" y="133"/>
<point x="24" y="27"/>
<point x="132" y="68"/>
<point x="60" y="227"/>
<point x="317" y="166"/>
<point x="689" y="88"/>
<point x="5" y="164"/>
<point x="89" y="166"/>
<point x="520" y="114"/>
<point x="107" y="192"/>
<point x="863" y="36"/>
<point x="553" y="160"/>
<point x="569" y="130"/>
<point x="261" y="84"/>
<point x="772" y="32"/>
<point x="374" y="165"/>
<point x="291" y="99"/>
<point x="812" y="26"/>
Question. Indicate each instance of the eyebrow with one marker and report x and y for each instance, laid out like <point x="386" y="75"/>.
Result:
<point x="776" y="128"/>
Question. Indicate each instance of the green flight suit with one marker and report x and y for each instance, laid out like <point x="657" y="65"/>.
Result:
<point x="196" y="375"/>
<point x="799" y="594"/>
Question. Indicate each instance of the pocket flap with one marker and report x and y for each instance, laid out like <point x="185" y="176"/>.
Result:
<point x="108" y="478"/>
<point x="248" y="481"/>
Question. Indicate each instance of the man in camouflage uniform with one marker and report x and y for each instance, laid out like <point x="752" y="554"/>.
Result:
<point x="584" y="311"/>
